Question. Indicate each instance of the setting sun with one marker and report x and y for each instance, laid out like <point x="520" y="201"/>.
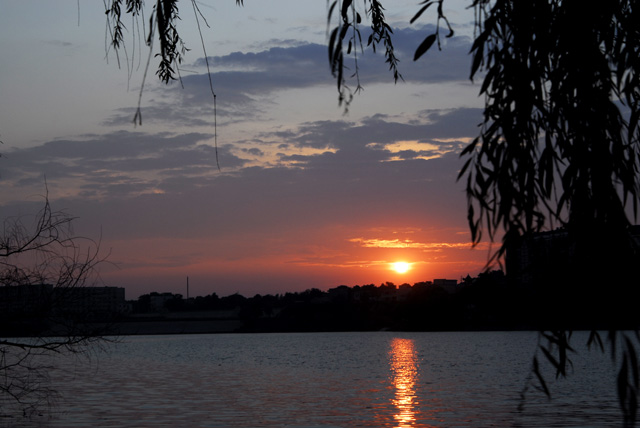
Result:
<point x="400" y="267"/>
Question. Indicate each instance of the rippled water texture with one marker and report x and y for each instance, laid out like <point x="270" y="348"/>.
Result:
<point x="326" y="380"/>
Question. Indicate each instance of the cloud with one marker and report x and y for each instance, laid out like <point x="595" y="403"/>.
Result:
<point x="407" y="243"/>
<point x="301" y="65"/>
<point x="119" y="164"/>
<point x="244" y="82"/>
<point x="125" y="164"/>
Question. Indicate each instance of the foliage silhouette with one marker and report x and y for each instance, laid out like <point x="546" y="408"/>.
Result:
<point x="45" y="264"/>
<point x="558" y="145"/>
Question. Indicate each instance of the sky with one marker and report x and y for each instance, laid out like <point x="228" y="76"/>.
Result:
<point x="307" y="195"/>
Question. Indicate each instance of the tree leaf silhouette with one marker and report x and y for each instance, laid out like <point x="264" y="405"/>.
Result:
<point x="424" y="46"/>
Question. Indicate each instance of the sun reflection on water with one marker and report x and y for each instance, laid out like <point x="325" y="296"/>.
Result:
<point x="404" y="367"/>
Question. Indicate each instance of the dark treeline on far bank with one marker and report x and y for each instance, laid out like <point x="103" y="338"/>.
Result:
<point x="486" y="302"/>
<point x="490" y="301"/>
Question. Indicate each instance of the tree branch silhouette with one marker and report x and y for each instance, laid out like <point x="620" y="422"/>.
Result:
<point x="46" y="261"/>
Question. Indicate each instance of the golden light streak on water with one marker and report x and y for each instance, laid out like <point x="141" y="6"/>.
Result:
<point x="404" y="367"/>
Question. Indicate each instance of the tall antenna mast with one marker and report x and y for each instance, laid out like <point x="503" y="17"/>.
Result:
<point x="187" y="288"/>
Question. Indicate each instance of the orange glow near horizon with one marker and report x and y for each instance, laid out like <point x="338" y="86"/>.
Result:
<point x="321" y="259"/>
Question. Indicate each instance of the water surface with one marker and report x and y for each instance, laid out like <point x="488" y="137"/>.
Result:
<point x="381" y="379"/>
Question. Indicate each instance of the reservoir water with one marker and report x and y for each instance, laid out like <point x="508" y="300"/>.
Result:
<point x="322" y="380"/>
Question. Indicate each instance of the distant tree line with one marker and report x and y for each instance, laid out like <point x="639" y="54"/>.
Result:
<point x="485" y="302"/>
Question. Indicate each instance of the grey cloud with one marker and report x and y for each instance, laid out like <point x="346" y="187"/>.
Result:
<point x="163" y="112"/>
<point x="352" y="187"/>
<point x="268" y="44"/>
<point x="253" y="76"/>
<point x="254" y="151"/>
<point x="450" y="124"/>
<point x="286" y="67"/>
<point x="307" y="64"/>
<point x="119" y="156"/>
<point x="116" y="164"/>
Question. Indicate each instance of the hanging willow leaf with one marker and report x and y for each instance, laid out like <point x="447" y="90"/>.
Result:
<point x="424" y="46"/>
<point x="420" y="12"/>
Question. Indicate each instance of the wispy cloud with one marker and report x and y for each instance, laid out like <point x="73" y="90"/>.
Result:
<point x="408" y="244"/>
<point x="126" y="163"/>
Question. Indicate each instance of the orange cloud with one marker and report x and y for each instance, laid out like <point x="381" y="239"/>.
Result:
<point x="407" y="243"/>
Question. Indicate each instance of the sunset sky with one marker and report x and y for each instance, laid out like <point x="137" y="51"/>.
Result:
<point x="307" y="196"/>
